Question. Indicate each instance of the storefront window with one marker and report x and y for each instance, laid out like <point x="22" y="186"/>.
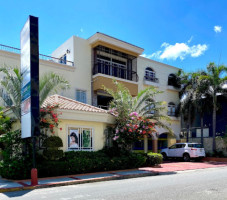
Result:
<point x="80" y="138"/>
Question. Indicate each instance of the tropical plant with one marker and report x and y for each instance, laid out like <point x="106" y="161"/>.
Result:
<point x="213" y="83"/>
<point x="186" y="106"/>
<point x="5" y="122"/>
<point x="202" y="100"/>
<point x="144" y="104"/>
<point x="10" y="91"/>
<point x="49" y="118"/>
<point x="194" y="98"/>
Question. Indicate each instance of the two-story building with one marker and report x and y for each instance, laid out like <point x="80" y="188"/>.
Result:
<point x="88" y="64"/>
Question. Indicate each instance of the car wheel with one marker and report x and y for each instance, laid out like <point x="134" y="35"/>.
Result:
<point x="164" y="156"/>
<point x="186" y="157"/>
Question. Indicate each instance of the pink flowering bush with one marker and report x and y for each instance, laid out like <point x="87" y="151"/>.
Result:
<point x="132" y="129"/>
<point x="49" y="118"/>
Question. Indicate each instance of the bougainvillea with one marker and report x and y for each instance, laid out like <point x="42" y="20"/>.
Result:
<point x="133" y="128"/>
<point x="49" y="118"/>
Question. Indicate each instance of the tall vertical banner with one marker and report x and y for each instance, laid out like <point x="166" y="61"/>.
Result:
<point x="30" y="78"/>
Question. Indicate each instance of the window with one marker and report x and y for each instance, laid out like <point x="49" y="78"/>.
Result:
<point x="150" y="106"/>
<point x="205" y="132"/>
<point x="62" y="60"/>
<point x="174" y="81"/>
<point x="150" y="75"/>
<point x="111" y="66"/>
<point x="81" y="96"/>
<point x="179" y="146"/>
<point x="173" y="147"/>
<point x="80" y="138"/>
<point x="195" y="145"/>
<point x="171" y="109"/>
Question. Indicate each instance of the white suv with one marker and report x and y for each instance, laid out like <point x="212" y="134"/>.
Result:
<point x="184" y="150"/>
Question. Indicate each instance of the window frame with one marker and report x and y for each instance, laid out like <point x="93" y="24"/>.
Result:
<point x="150" y="74"/>
<point x="80" y="148"/>
<point x="171" y="109"/>
<point x="81" y="90"/>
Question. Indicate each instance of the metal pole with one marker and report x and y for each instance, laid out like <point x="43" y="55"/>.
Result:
<point x="33" y="151"/>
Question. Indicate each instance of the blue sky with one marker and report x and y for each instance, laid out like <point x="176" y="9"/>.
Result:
<point x="177" y="32"/>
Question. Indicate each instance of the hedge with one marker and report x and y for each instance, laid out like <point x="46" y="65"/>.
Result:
<point x="74" y="163"/>
<point x="154" y="159"/>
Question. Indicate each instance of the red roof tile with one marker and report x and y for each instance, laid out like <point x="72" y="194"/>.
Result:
<point x="70" y="104"/>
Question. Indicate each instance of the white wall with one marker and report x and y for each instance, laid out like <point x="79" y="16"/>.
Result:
<point x="162" y="72"/>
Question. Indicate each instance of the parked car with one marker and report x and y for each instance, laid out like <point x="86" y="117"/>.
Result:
<point x="184" y="150"/>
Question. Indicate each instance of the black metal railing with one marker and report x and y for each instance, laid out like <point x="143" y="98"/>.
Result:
<point x="103" y="107"/>
<point x="152" y="79"/>
<point x="115" y="71"/>
<point x="41" y="56"/>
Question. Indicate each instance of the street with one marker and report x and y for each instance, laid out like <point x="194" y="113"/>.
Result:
<point x="203" y="184"/>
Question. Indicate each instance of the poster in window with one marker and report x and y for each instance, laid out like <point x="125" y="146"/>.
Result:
<point x="86" y="138"/>
<point x="73" y="138"/>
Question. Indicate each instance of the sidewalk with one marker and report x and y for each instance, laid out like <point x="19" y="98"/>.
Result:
<point x="9" y="185"/>
<point x="170" y="167"/>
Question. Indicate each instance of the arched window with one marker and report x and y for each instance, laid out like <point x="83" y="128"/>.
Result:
<point x="174" y="81"/>
<point x="150" y="75"/>
<point x="171" y="109"/>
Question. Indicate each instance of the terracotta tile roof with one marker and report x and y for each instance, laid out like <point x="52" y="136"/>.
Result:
<point x="70" y="104"/>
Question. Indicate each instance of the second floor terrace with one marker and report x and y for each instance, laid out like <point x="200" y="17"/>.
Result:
<point x="63" y="60"/>
<point x="114" y="63"/>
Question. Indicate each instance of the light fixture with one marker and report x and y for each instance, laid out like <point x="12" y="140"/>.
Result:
<point x="67" y="51"/>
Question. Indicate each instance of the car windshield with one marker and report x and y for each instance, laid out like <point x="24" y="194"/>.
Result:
<point x="195" y="145"/>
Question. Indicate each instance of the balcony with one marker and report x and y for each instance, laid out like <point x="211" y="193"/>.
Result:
<point x="115" y="70"/>
<point x="41" y="56"/>
<point x="148" y="80"/>
<point x="103" y="75"/>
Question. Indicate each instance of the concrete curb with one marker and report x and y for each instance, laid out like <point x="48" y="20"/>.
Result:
<point x="74" y="182"/>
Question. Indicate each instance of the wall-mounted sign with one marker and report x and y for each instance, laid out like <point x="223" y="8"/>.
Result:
<point x="30" y="78"/>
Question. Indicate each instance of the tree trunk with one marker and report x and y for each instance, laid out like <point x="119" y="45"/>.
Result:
<point x="201" y="121"/>
<point x="214" y="126"/>
<point x="145" y="144"/>
<point x="189" y="124"/>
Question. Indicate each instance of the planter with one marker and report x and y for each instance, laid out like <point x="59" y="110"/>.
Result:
<point x="214" y="159"/>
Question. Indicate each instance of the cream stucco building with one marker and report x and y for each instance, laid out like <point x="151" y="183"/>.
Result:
<point x="88" y="64"/>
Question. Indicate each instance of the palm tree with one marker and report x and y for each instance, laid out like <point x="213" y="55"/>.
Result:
<point x="10" y="88"/>
<point x="195" y="98"/>
<point x="214" y="81"/>
<point x="144" y="104"/>
<point x="187" y="97"/>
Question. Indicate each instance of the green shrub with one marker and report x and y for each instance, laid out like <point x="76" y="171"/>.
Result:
<point x="16" y="155"/>
<point x="52" y="154"/>
<point x="73" y="162"/>
<point x="52" y="145"/>
<point x="53" y="142"/>
<point x="52" y="168"/>
<point x="218" y="154"/>
<point x="114" y="151"/>
<point x="154" y="159"/>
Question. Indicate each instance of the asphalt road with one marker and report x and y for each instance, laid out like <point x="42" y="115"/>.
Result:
<point x="204" y="184"/>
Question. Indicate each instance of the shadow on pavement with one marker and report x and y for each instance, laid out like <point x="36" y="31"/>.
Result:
<point x="16" y="193"/>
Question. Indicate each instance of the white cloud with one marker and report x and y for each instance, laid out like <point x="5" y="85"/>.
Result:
<point x="81" y="30"/>
<point x="217" y="29"/>
<point x="191" y="38"/>
<point x="178" y="50"/>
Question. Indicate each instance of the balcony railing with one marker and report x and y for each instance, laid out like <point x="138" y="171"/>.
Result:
<point x="115" y="71"/>
<point x="152" y="79"/>
<point x="41" y="56"/>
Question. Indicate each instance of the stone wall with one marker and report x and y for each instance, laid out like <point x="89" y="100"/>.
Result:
<point x="208" y="142"/>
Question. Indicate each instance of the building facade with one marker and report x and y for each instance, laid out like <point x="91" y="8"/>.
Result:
<point x="88" y="64"/>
